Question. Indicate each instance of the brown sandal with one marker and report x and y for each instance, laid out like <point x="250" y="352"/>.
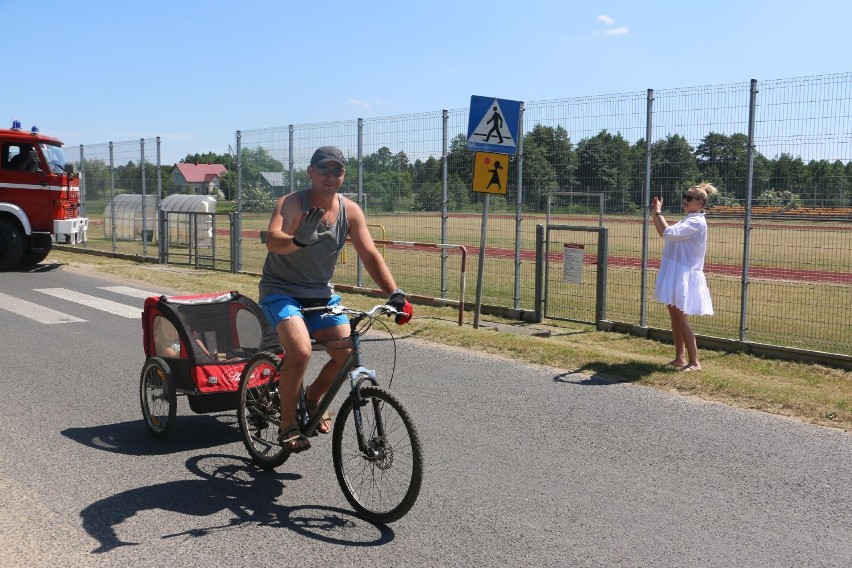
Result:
<point x="311" y="406"/>
<point x="291" y="435"/>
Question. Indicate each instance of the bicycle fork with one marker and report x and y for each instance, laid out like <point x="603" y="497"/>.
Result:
<point x="366" y="444"/>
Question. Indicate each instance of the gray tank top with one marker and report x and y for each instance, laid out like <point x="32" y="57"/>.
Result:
<point x="307" y="272"/>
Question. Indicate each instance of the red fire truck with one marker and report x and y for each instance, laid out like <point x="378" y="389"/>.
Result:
<point x="39" y="197"/>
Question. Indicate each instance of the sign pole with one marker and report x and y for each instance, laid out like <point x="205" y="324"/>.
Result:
<point x="499" y="119"/>
<point x="481" y="265"/>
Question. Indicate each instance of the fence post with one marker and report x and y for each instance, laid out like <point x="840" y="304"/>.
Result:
<point x="292" y="164"/>
<point x="144" y="198"/>
<point x="519" y="207"/>
<point x="82" y="184"/>
<point x="164" y="237"/>
<point x="238" y="250"/>
<point x="539" y="272"/>
<point x="112" y="196"/>
<point x="445" y="202"/>
<point x="233" y="225"/>
<point x="603" y="254"/>
<point x="359" y="278"/>
<point x="161" y="251"/>
<point x="646" y="207"/>
<point x="747" y="221"/>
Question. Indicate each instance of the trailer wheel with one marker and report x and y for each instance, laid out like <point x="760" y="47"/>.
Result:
<point x="11" y="245"/>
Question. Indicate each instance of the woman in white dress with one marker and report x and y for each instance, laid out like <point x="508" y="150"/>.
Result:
<point x="680" y="283"/>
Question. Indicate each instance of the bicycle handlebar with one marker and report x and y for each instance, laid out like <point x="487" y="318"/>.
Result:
<point x="339" y="309"/>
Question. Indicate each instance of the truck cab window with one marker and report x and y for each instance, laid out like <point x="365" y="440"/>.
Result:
<point x="9" y="152"/>
<point x="20" y="157"/>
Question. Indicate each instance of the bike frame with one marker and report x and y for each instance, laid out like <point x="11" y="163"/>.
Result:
<point x="382" y="478"/>
<point x="357" y="374"/>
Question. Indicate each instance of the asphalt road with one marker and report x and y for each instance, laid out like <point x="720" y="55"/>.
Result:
<point x="525" y="466"/>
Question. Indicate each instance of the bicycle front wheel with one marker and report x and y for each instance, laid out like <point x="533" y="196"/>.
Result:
<point x="259" y="410"/>
<point x="382" y="479"/>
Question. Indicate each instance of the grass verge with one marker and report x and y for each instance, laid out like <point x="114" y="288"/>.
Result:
<point x="811" y="393"/>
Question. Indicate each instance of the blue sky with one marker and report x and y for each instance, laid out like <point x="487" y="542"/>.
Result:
<point x="94" y="71"/>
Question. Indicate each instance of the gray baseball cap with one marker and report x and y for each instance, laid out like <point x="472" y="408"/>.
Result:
<point x="326" y="154"/>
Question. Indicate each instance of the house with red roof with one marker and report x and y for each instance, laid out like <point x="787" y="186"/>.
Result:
<point x="202" y="179"/>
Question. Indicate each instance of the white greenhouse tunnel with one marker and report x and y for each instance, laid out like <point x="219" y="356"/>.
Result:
<point x="129" y="217"/>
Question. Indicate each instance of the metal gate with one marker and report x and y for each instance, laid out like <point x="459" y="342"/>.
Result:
<point x="193" y="238"/>
<point x="571" y="271"/>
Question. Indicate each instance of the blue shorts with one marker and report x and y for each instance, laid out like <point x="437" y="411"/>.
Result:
<point x="280" y="307"/>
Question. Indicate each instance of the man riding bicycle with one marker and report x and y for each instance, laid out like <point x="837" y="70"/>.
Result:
<point x="306" y="233"/>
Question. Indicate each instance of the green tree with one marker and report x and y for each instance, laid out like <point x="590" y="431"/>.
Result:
<point x="637" y="184"/>
<point x="387" y="178"/>
<point x="605" y="164"/>
<point x="256" y="160"/>
<point x="723" y="161"/>
<point x="848" y="169"/>
<point x="460" y="160"/>
<point x="228" y="185"/>
<point x="790" y="173"/>
<point x="128" y="178"/>
<point x="205" y="158"/>
<point x="540" y="177"/>
<point x="96" y="179"/>
<point x="429" y="196"/>
<point x="257" y="199"/>
<point x="673" y="168"/>
<point x="427" y="175"/>
<point x="555" y="147"/>
<point x="381" y="189"/>
<point x="458" y="193"/>
<point x="779" y="198"/>
<point x="226" y="160"/>
<point x="830" y="184"/>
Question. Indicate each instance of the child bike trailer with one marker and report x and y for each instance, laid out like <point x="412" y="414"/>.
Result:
<point x="197" y="346"/>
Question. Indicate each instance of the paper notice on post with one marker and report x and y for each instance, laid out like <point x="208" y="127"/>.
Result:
<point x="572" y="263"/>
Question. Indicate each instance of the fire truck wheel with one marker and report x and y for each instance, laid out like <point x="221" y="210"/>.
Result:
<point x="11" y="245"/>
<point x="30" y="258"/>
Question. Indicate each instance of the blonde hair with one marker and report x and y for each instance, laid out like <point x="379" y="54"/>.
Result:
<point x="705" y="188"/>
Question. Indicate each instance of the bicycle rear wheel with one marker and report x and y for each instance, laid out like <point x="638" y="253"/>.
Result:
<point x="382" y="481"/>
<point x="259" y="410"/>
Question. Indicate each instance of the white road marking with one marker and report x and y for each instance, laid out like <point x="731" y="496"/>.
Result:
<point x="109" y="306"/>
<point x="34" y="311"/>
<point x="128" y="291"/>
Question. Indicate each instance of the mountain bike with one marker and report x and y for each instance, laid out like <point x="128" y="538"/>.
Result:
<point x="375" y="446"/>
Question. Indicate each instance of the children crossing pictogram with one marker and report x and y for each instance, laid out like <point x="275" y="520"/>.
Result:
<point x="490" y="172"/>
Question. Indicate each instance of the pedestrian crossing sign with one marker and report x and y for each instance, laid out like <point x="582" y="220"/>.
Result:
<point x="490" y="172"/>
<point x="493" y="125"/>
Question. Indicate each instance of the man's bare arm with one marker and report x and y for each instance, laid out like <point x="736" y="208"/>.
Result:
<point x="282" y="226"/>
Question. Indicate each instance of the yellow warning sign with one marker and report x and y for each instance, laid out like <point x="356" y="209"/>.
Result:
<point x="490" y="172"/>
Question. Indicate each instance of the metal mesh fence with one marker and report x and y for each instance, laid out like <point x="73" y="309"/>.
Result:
<point x="777" y="151"/>
<point x="121" y="196"/>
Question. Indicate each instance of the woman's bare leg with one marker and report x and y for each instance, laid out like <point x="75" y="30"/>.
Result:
<point x="677" y="337"/>
<point x="687" y="338"/>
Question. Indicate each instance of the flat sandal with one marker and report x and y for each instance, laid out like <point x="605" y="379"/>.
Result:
<point x="291" y="435"/>
<point x="311" y="406"/>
